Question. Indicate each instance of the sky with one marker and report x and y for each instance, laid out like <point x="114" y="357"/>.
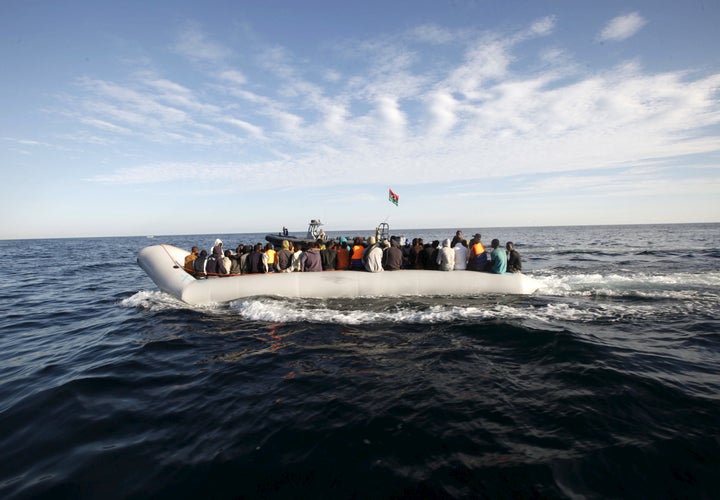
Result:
<point x="124" y="118"/>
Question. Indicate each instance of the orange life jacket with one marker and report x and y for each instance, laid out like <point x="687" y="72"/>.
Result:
<point x="357" y="251"/>
<point x="478" y="248"/>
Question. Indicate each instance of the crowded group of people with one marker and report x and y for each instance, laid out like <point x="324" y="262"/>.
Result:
<point x="372" y="255"/>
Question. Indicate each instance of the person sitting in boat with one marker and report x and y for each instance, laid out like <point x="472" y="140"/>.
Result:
<point x="199" y="265"/>
<point x="257" y="260"/>
<point x="478" y="257"/>
<point x="461" y="255"/>
<point x="342" y="260"/>
<point x="296" y="261"/>
<point x="430" y="253"/>
<point x="514" y="263"/>
<point x="235" y="267"/>
<point x="283" y="258"/>
<point x="217" y="254"/>
<point x="457" y="238"/>
<point x="372" y="256"/>
<point x="311" y="260"/>
<point x="243" y="259"/>
<point x="190" y="259"/>
<point x="416" y="257"/>
<point x="498" y="262"/>
<point x="227" y="262"/>
<point x="270" y="253"/>
<point x="356" y="256"/>
<point x="284" y="231"/>
<point x="329" y="256"/>
<point x="445" y="259"/>
<point x="392" y="255"/>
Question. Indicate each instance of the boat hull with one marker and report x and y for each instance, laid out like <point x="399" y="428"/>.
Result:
<point x="277" y="239"/>
<point x="163" y="264"/>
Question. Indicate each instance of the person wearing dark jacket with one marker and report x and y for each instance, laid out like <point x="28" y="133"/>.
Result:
<point x="417" y="256"/>
<point x="257" y="260"/>
<point x="329" y="256"/>
<point x="311" y="260"/>
<point x="514" y="263"/>
<point x="430" y="251"/>
<point x="283" y="258"/>
<point x="199" y="265"/>
<point x="392" y="256"/>
<point x="218" y="254"/>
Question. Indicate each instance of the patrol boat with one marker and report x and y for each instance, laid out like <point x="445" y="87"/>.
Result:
<point x="314" y="232"/>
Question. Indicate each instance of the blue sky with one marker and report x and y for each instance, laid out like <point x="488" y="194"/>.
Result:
<point x="134" y="118"/>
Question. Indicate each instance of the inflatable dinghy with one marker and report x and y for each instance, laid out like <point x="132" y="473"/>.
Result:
<point x="164" y="265"/>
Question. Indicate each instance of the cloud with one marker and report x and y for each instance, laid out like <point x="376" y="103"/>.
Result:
<point x="395" y="115"/>
<point x="193" y="44"/>
<point x="622" y="27"/>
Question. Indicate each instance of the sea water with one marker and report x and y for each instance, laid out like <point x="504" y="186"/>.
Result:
<point x="604" y="383"/>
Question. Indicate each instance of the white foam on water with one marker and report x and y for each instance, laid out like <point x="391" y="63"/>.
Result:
<point x="671" y="285"/>
<point x="157" y="301"/>
<point x="285" y="311"/>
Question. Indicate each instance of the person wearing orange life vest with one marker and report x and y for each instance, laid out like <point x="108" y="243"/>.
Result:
<point x="477" y="258"/>
<point x="357" y="252"/>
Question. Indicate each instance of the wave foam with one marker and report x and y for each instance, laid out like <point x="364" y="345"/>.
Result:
<point x="673" y="285"/>
<point x="282" y="311"/>
<point x="157" y="301"/>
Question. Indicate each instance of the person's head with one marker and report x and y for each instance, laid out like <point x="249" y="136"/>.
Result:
<point x="386" y="244"/>
<point x="218" y="242"/>
<point x="477" y="237"/>
<point x="269" y="246"/>
<point x="435" y="243"/>
<point x="446" y="242"/>
<point x="194" y="250"/>
<point x="285" y="244"/>
<point x="495" y="243"/>
<point x="228" y="253"/>
<point x="458" y="233"/>
<point x="240" y="248"/>
<point x="509" y="246"/>
<point x="258" y="247"/>
<point x="371" y="240"/>
<point x="203" y="253"/>
<point x="330" y="244"/>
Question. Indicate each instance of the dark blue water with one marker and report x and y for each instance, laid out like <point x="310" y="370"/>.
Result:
<point x="606" y="383"/>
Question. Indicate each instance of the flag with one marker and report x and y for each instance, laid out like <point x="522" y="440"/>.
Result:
<point x="393" y="197"/>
